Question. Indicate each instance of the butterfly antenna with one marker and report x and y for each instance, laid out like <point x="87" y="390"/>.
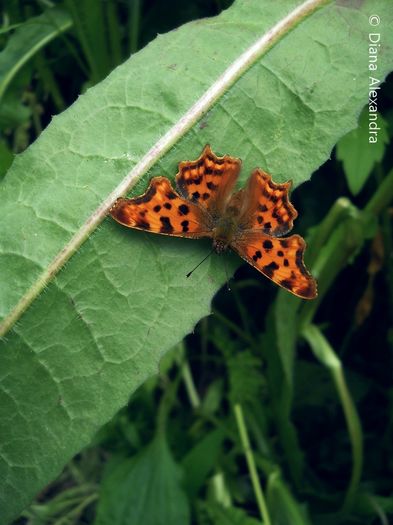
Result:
<point x="198" y="265"/>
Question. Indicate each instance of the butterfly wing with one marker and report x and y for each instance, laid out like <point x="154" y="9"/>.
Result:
<point x="279" y="259"/>
<point x="266" y="206"/>
<point x="208" y="181"/>
<point x="265" y="213"/>
<point x="162" y="210"/>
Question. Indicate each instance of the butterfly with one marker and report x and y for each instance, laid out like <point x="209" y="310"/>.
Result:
<point x="250" y="221"/>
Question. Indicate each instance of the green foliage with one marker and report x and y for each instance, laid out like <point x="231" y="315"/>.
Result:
<point x="358" y="155"/>
<point x="27" y="40"/>
<point x="227" y="515"/>
<point x="274" y="409"/>
<point x="143" y="489"/>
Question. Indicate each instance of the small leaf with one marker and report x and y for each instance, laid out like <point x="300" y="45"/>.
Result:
<point x="144" y="489"/>
<point x="358" y="154"/>
<point x="220" y="515"/>
<point x="201" y="459"/>
<point x="283" y="506"/>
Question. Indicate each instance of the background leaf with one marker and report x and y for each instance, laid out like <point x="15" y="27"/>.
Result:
<point x="136" y="487"/>
<point x="122" y="301"/>
<point x="358" y="154"/>
<point x="29" y="38"/>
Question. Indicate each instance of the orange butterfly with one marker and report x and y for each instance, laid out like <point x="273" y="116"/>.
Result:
<point x="251" y="221"/>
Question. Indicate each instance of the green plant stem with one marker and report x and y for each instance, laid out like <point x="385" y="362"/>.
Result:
<point x="48" y="79"/>
<point x="382" y="197"/>
<point x="36" y="110"/>
<point x="167" y="402"/>
<point x="71" y="7"/>
<point x="134" y="23"/>
<point x="113" y="33"/>
<point x="339" y="211"/>
<point x="232" y="326"/>
<point x="326" y="355"/>
<point x="342" y="233"/>
<point x="77" y="511"/>
<point x="190" y="385"/>
<point x="244" y="315"/>
<point x="251" y="465"/>
<point x="386" y="229"/>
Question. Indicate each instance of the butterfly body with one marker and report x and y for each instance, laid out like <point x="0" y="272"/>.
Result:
<point x="224" y="232"/>
<point x="250" y="221"/>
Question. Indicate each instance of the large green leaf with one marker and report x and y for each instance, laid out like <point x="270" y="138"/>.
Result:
<point x="78" y="349"/>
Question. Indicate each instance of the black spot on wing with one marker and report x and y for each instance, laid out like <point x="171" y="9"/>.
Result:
<point x="168" y="205"/>
<point x="141" y="223"/>
<point x="287" y="283"/>
<point x="265" y="193"/>
<point x="268" y="245"/>
<point x="269" y="269"/>
<point x="184" y="225"/>
<point x="257" y="255"/>
<point x="166" y="225"/>
<point x="308" y="290"/>
<point x="212" y="186"/>
<point x="183" y="209"/>
<point x="196" y="180"/>
<point x="278" y="217"/>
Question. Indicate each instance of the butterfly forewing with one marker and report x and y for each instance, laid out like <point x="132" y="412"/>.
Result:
<point x="162" y="210"/>
<point x="209" y="180"/>
<point x="266" y="206"/>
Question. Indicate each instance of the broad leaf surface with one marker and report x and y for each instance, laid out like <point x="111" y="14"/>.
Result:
<point x="100" y="327"/>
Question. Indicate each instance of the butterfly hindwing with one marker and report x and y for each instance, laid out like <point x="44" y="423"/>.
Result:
<point x="209" y="180"/>
<point x="266" y="205"/>
<point x="281" y="260"/>
<point x="162" y="210"/>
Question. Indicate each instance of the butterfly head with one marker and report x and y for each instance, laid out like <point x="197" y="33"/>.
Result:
<point x="219" y="246"/>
